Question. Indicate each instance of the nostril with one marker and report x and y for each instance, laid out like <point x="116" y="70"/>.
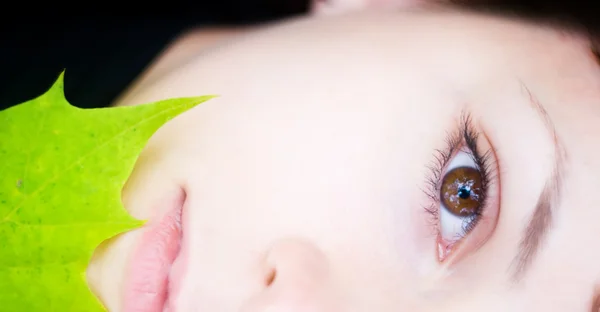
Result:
<point x="270" y="277"/>
<point x="294" y="261"/>
<point x="294" y="277"/>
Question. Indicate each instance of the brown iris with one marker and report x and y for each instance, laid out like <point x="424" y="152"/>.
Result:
<point x="461" y="191"/>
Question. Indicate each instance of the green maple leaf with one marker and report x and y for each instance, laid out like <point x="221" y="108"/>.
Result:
<point x="62" y="170"/>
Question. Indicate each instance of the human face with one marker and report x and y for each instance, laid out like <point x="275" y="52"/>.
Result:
<point x="314" y="182"/>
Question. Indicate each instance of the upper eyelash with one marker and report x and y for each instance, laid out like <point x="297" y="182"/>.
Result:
<point x="466" y="135"/>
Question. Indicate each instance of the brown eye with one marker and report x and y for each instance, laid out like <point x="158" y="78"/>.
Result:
<point x="461" y="191"/>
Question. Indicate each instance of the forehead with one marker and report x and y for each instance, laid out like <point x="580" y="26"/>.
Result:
<point x="366" y="67"/>
<point x="392" y="57"/>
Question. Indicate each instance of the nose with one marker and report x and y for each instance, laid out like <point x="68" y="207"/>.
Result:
<point x="296" y="279"/>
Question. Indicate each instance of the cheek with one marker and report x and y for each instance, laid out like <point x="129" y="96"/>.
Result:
<point x="303" y="179"/>
<point x="328" y="176"/>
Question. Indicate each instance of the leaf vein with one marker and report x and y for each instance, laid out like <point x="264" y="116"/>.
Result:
<point x="82" y="158"/>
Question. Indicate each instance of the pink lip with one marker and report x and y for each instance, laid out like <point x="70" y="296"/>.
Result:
<point x="148" y="280"/>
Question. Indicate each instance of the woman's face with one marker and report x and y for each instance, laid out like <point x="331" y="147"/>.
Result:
<point x="395" y="161"/>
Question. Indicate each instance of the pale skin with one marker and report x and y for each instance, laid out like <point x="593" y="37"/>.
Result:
<point x="311" y="165"/>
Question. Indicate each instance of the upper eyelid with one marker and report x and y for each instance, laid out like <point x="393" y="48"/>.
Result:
<point x="455" y="140"/>
<point x="466" y="136"/>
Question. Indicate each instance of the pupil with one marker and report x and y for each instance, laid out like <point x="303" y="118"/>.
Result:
<point x="464" y="193"/>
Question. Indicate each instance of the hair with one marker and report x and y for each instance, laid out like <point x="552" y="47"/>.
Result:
<point x="583" y="14"/>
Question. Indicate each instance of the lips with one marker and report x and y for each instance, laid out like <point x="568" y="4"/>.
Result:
<point x="147" y="284"/>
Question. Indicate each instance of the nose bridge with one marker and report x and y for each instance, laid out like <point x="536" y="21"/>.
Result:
<point x="296" y="275"/>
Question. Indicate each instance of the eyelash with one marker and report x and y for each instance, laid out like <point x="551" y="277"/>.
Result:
<point x="466" y="135"/>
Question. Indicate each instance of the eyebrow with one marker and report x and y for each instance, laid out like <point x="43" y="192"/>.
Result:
<point x="547" y="203"/>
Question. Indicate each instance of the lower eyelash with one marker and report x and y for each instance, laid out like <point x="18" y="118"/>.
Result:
<point x="467" y="136"/>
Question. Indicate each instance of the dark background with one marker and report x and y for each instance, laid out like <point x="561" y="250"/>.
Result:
<point x="103" y="52"/>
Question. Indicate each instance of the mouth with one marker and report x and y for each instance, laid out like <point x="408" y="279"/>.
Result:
<point x="148" y="282"/>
